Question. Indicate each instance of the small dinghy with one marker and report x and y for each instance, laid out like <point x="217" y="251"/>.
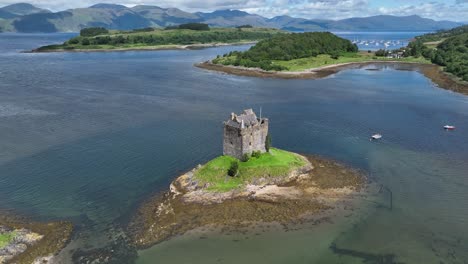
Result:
<point x="447" y="127"/>
<point x="376" y="137"/>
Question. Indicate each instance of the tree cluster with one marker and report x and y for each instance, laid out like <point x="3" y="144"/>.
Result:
<point x="181" y="38"/>
<point x="148" y="29"/>
<point x="191" y="26"/>
<point x="93" y="31"/>
<point x="452" y="53"/>
<point x="287" y="47"/>
<point x="381" y="53"/>
<point x="245" y="26"/>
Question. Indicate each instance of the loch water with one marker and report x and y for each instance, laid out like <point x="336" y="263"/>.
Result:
<point x="87" y="136"/>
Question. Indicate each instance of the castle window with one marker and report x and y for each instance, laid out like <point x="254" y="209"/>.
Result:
<point x="250" y="143"/>
<point x="232" y="143"/>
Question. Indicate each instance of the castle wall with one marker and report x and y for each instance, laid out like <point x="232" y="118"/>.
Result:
<point x="232" y="144"/>
<point x="238" y="141"/>
<point x="253" y="138"/>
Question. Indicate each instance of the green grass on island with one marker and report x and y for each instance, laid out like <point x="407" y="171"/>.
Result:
<point x="161" y="38"/>
<point x="271" y="164"/>
<point x="6" y="238"/>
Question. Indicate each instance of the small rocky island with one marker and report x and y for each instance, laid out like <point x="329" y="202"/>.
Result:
<point x="24" y="241"/>
<point x="252" y="183"/>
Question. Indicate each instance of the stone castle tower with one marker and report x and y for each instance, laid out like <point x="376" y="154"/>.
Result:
<point x="244" y="133"/>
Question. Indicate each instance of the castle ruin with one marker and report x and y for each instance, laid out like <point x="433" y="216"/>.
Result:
<point x="244" y="134"/>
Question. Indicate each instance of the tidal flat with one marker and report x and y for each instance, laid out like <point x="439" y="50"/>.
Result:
<point x="431" y="71"/>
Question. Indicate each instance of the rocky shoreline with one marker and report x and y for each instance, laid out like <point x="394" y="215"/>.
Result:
<point x="432" y="71"/>
<point x="32" y="242"/>
<point x="305" y="192"/>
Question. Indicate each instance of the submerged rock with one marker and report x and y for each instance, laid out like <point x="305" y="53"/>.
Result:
<point x="119" y="252"/>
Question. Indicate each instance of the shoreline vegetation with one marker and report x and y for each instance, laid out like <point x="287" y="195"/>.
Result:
<point x="102" y="48"/>
<point x="23" y="241"/>
<point x="302" y="187"/>
<point x="319" y="54"/>
<point x="185" y="36"/>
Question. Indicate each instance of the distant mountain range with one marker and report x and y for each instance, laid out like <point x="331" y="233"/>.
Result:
<point x="23" y="17"/>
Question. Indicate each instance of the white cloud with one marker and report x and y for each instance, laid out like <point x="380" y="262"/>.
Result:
<point x="323" y="9"/>
<point x="434" y="10"/>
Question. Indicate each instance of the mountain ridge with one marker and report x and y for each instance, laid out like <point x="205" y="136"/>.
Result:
<point x="23" y="17"/>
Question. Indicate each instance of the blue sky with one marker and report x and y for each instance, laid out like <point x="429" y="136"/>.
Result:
<point x="455" y="10"/>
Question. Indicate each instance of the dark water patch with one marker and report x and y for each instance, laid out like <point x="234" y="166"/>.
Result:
<point x="119" y="251"/>
<point x="366" y="257"/>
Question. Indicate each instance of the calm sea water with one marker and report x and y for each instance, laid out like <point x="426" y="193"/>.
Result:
<point x="87" y="136"/>
<point x="379" y="40"/>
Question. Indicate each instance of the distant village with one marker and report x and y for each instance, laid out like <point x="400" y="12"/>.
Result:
<point x="391" y="54"/>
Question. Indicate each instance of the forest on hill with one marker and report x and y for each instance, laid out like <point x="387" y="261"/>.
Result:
<point x="442" y="34"/>
<point x="451" y="50"/>
<point x="286" y="47"/>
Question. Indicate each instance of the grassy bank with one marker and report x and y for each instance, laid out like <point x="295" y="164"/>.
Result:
<point x="161" y="39"/>
<point x="273" y="164"/>
<point x="6" y="238"/>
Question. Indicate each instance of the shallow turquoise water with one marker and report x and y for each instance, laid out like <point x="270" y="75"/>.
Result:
<point x="87" y="136"/>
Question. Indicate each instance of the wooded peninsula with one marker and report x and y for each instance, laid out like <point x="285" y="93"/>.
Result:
<point x="447" y="48"/>
<point x="304" y="51"/>
<point x="185" y="36"/>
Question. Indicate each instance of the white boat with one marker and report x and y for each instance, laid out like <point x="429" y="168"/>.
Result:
<point x="376" y="137"/>
<point x="448" y="127"/>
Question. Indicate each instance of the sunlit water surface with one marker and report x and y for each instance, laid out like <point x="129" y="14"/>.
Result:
<point x="87" y="136"/>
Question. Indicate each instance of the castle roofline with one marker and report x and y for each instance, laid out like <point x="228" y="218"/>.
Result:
<point x="247" y="118"/>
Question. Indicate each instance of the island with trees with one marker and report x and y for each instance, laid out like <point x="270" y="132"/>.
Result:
<point x="184" y="36"/>
<point x="251" y="184"/>
<point x="297" y="55"/>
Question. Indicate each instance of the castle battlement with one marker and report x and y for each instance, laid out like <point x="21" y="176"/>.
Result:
<point x="244" y="134"/>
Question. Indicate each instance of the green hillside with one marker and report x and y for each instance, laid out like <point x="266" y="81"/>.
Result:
<point x="443" y="34"/>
